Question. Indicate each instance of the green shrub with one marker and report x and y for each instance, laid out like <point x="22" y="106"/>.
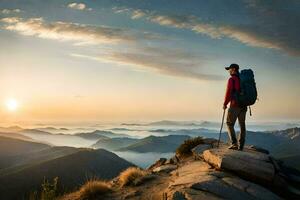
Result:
<point x="185" y="148"/>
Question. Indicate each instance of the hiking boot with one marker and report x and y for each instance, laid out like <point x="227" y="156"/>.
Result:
<point x="240" y="148"/>
<point x="233" y="147"/>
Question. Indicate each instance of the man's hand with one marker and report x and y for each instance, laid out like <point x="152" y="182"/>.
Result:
<point x="224" y="107"/>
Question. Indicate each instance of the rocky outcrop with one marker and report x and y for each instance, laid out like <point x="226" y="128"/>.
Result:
<point x="165" y="168"/>
<point x="198" y="150"/>
<point x="199" y="180"/>
<point x="251" y="165"/>
<point x="158" y="163"/>
<point x="214" y="173"/>
<point x="220" y="173"/>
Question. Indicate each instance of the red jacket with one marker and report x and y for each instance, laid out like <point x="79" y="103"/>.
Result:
<point x="233" y="84"/>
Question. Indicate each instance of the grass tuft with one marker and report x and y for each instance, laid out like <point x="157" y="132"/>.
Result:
<point x="93" y="189"/>
<point x="185" y="149"/>
<point x="132" y="176"/>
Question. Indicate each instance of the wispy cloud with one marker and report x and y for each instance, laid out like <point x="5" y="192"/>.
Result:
<point x="135" y="13"/>
<point x="172" y="62"/>
<point x="250" y="35"/>
<point x="138" y="14"/>
<point x="162" y="60"/>
<point x="10" y="11"/>
<point x="79" y="6"/>
<point x="65" y="31"/>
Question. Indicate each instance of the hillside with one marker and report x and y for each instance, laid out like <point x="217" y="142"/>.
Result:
<point x="264" y="139"/>
<point x="291" y="133"/>
<point x="13" y="147"/>
<point x="91" y="136"/>
<point x="13" y="163"/>
<point x="72" y="170"/>
<point x="288" y="148"/>
<point x="57" y="139"/>
<point x="98" y="134"/>
<point x="156" y="144"/>
<point x="10" y="129"/>
<point x="15" y="135"/>
<point x="292" y="160"/>
<point x="113" y="143"/>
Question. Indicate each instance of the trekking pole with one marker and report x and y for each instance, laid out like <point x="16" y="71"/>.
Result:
<point x="221" y="127"/>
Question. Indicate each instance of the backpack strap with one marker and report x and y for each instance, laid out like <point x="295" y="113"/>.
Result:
<point x="234" y="91"/>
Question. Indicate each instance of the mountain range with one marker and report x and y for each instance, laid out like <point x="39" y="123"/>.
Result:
<point x="24" y="165"/>
<point x="152" y="143"/>
<point x="30" y="153"/>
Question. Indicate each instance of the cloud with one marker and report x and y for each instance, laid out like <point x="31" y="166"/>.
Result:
<point x="120" y="10"/>
<point x="79" y="6"/>
<point x="174" y="21"/>
<point x="214" y="31"/>
<point x="159" y="60"/>
<point x="269" y="30"/>
<point x="10" y="11"/>
<point x="10" y="20"/>
<point x="66" y="31"/>
<point x="276" y="22"/>
<point x="132" y="51"/>
<point x="249" y="37"/>
<point x="136" y="14"/>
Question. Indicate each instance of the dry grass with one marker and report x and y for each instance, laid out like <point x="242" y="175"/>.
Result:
<point x="132" y="176"/>
<point x="185" y="148"/>
<point x="92" y="189"/>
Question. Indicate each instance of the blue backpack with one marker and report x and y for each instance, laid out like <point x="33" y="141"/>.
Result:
<point x="248" y="93"/>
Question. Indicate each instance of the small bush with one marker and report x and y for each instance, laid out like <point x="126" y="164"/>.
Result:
<point x="185" y="148"/>
<point x="93" y="189"/>
<point x="49" y="190"/>
<point x="132" y="176"/>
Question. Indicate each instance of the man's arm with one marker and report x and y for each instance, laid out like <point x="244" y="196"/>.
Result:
<point x="228" y="93"/>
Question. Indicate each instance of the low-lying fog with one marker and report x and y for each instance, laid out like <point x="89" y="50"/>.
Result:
<point x="65" y="136"/>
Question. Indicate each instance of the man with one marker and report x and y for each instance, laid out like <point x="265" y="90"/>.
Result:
<point x="234" y="111"/>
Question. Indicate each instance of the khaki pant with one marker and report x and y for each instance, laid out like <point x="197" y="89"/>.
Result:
<point x="233" y="114"/>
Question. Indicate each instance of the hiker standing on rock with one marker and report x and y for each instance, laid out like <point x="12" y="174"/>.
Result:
<point x="235" y="110"/>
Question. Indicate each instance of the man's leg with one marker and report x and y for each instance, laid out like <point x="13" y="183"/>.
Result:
<point x="242" y="135"/>
<point x="232" y="115"/>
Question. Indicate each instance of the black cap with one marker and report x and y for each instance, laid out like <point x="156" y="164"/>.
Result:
<point x="236" y="66"/>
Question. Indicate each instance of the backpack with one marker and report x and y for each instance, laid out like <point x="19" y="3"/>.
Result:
<point x="248" y="92"/>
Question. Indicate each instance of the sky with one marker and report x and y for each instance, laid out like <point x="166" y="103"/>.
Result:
<point x="138" y="60"/>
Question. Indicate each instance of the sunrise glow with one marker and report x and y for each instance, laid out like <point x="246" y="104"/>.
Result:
<point x="11" y="104"/>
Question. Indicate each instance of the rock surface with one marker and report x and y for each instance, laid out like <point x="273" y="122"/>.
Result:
<point x="198" y="180"/>
<point x="158" y="163"/>
<point x="254" y="166"/>
<point x="199" y="149"/>
<point x="164" y="168"/>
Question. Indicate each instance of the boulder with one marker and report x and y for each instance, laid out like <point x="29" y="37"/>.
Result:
<point x="192" y="194"/>
<point x="164" y="168"/>
<point x="199" y="149"/>
<point x="254" y="166"/>
<point x="196" y="179"/>
<point x="258" y="149"/>
<point x="174" y="160"/>
<point x="158" y="163"/>
<point x="221" y="189"/>
<point x="253" y="189"/>
<point x="210" y="141"/>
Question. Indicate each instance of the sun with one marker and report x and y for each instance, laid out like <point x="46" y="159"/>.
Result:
<point x="12" y="104"/>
